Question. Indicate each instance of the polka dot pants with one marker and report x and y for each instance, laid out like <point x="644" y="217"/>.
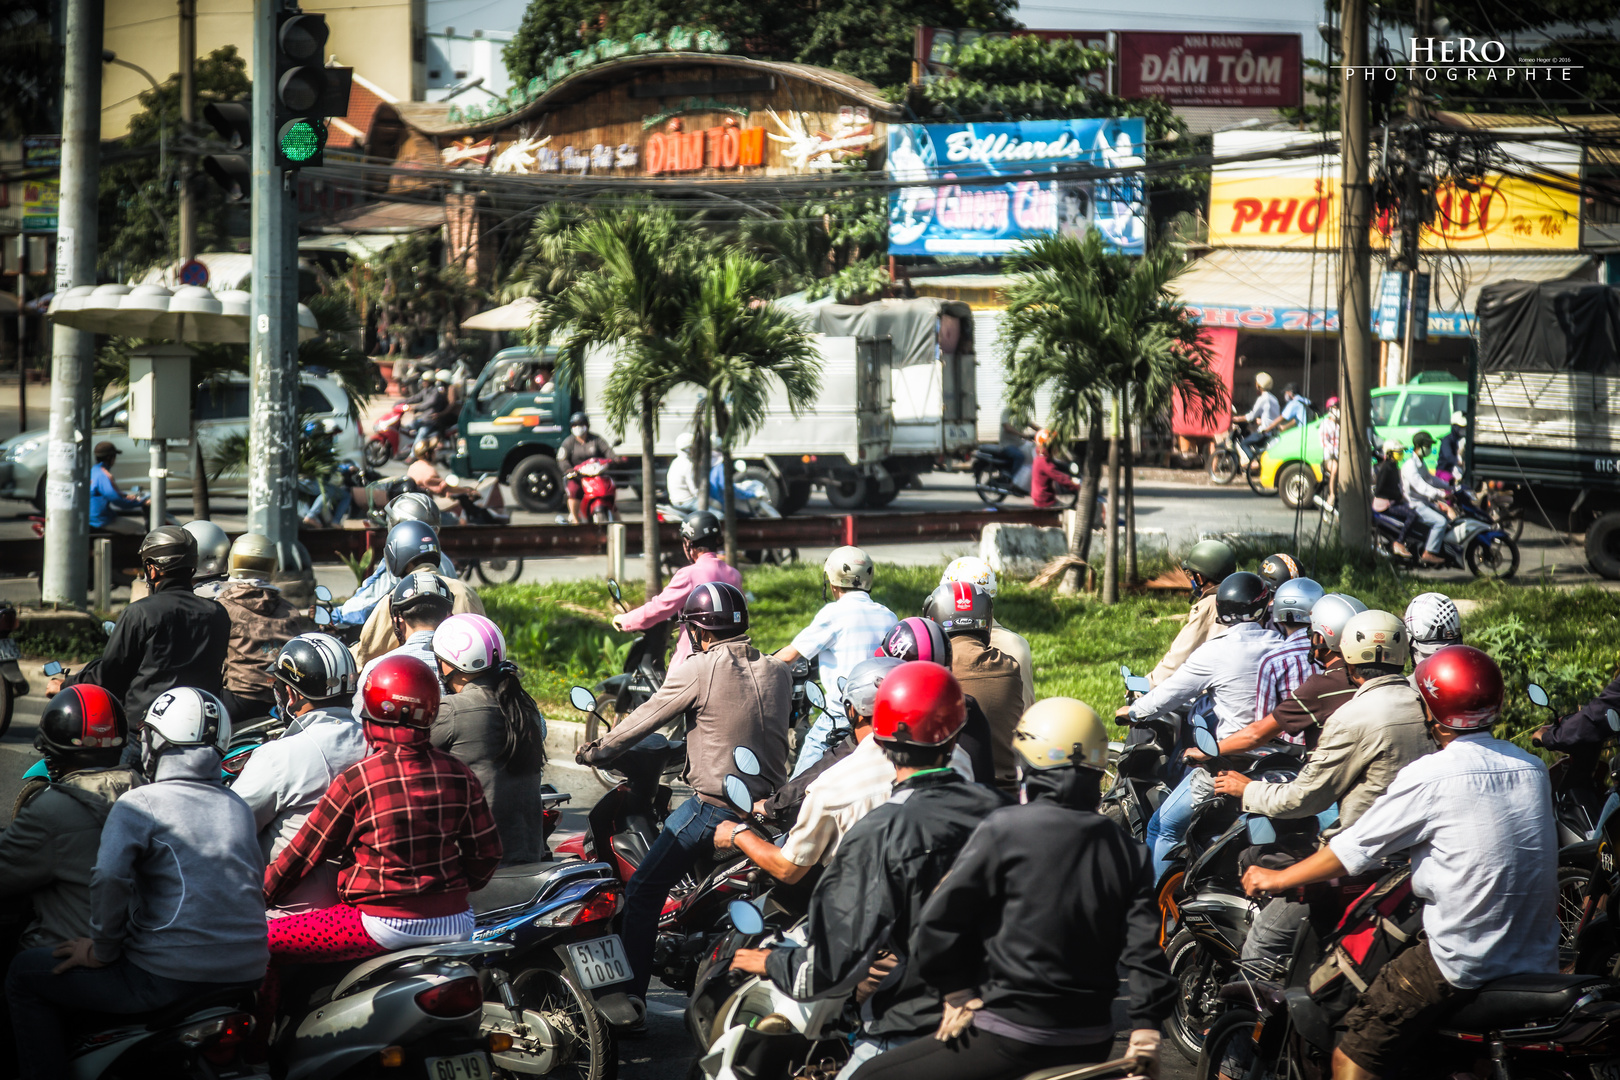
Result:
<point x="315" y="937"/>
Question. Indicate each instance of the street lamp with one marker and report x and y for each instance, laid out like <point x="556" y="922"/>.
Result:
<point x="110" y="57"/>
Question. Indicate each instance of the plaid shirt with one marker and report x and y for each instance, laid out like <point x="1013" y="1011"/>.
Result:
<point x="414" y="823"/>
<point x="1281" y="671"/>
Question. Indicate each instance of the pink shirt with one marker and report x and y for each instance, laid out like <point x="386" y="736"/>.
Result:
<point x="668" y="604"/>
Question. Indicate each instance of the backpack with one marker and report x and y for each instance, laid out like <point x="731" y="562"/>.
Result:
<point x="1378" y="925"/>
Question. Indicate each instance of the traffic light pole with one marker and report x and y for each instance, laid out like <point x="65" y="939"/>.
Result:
<point x="67" y="489"/>
<point x="1355" y="299"/>
<point x="273" y="415"/>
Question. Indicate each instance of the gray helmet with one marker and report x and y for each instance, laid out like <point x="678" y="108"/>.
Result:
<point x="861" y="686"/>
<point x="1328" y="617"/>
<point x="411" y="544"/>
<point x="959" y="607"/>
<point x="252" y="556"/>
<point x="169" y="548"/>
<point x="421" y="596"/>
<point x="1293" y="601"/>
<point x="1212" y="560"/>
<point x="412" y="506"/>
<point x="213" y="547"/>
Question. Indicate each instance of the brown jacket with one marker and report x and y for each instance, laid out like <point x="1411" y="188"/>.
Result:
<point x="994" y="679"/>
<point x="740" y="697"/>
<point x="262" y="621"/>
<point x="377" y="636"/>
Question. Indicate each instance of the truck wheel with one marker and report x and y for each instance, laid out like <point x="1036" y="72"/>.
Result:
<point x="1296" y="484"/>
<point x="847" y="494"/>
<point x="537" y="484"/>
<point x="773" y="486"/>
<point x="876" y="497"/>
<point x="1603" y="545"/>
<point x="796" y="496"/>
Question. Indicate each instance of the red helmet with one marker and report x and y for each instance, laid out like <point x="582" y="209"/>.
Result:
<point x="919" y="704"/>
<point x="1462" y="687"/>
<point x="400" y="690"/>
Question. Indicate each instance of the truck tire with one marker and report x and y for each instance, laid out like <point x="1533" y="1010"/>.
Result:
<point x="773" y="486"/>
<point x="847" y="494"/>
<point x="1296" y="483"/>
<point x="1603" y="545"/>
<point x="796" y="496"/>
<point x="876" y="497"/>
<point x="537" y="484"/>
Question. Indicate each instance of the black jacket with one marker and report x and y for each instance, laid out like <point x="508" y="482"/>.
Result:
<point x="1387" y="481"/>
<point x="1587" y="728"/>
<point x="171" y="638"/>
<point x="872" y="893"/>
<point x="1044" y="904"/>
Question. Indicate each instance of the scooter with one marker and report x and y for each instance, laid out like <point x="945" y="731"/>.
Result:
<point x="1230" y="458"/>
<point x="1470" y="543"/>
<point x="197" y="1037"/>
<point x="751" y="500"/>
<point x="384" y="444"/>
<point x="599" y="502"/>
<point x="995" y="469"/>
<point x="12" y="683"/>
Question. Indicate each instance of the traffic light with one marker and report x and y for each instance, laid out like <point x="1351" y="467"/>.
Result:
<point x="307" y="92"/>
<point x="234" y="122"/>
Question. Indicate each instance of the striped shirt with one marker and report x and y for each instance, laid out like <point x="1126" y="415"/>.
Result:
<point x="1281" y="670"/>
<point x="843" y="634"/>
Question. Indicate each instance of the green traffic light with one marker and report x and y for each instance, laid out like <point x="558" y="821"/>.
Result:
<point x="302" y="140"/>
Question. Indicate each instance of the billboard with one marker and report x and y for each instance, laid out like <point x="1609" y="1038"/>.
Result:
<point x="936" y="214"/>
<point x="1250" y="70"/>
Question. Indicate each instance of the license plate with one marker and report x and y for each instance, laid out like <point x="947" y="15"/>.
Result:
<point x="9" y="650"/>
<point x="600" y="962"/>
<point x="460" y="1067"/>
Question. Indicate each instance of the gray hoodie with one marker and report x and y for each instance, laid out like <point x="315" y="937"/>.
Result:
<point x="178" y="886"/>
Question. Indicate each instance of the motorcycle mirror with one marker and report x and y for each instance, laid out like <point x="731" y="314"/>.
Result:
<point x="51" y="670"/>
<point x="324" y="594"/>
<point x="813" y="693"/>
<point x="746" y="760"/>
<point x="1538" y="695"/>
<point x="737" y="793"/>
<point x="1124" y="671"/>
<point x="842" y="682"/>
<point x="582" y="699"/>
<point x="1138" y="684"/>
<point x="323" y="617"/>
<point x="1614" y="720"/>
<point x="1261" y="830"/>
<point x="1206" y="742"/>
<point x="614" y="591"/>
<point x="745" y="917"/>
<point x="107" y="628"/>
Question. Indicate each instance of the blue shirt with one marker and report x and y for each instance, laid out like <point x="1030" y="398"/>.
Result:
<point x="357" y="608"/>
<point x="1297" y="411"/>
<point x="105" y="502"/>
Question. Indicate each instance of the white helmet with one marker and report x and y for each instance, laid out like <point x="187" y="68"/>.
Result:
<point x="972" y="569"/>
<point x="213" y="547"/>
<point x="183" y="717"/>
<point x="443" y="375"/>
<point x="1328" y="616"/>
<point x="849" y="568"/>
<point x="469" y="643"/>
<point x="1375" y="637"/>
<point x="684" y="441"/>
<point x="1432" y="623"/>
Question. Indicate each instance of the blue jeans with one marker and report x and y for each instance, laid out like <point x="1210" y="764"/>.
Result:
<point x="687" y="836"/>
<point x="815" y="740"/>
<point x="1436" y="521"/>
<point x="1168" y="825"/>
<point x="39" y="1000"/>
<point x="1255" y="443"/>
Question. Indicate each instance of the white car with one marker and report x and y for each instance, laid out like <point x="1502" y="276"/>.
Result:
<point x="221" y="411"/>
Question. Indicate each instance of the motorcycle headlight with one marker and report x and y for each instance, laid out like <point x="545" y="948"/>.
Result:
<point x="23" y="449"/>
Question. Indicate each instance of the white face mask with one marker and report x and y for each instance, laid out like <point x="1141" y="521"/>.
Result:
<point x="580" y="432"/>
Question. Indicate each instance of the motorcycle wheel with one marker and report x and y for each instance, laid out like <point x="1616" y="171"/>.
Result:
<point x="1223" y="466"/>
<point x="500" y="571"/>
<point x="377" y="453"/>
<point x="1232" y="1033"/>
<point x="1498" y="558"/>
<point x="1252" y="475"/>
<point x="595" y="1050"/>
<point x="988" y="494"/>
<point x="1572" y="884"/>
<point x="1197" y="1000"/>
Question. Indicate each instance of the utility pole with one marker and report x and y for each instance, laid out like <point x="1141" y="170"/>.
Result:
<point x="188" y="117"/>
<point x="272" y="415"/>
<point x="1355" y="300"/>
<point x="1414" y="207"/>
<point x="67" y="487"/>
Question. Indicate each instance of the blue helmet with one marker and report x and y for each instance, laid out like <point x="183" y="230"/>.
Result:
<point x="411" y="544"/>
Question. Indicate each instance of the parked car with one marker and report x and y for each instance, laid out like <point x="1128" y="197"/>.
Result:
<point x="220" y="412"/>
<point x="1292" y="463"/>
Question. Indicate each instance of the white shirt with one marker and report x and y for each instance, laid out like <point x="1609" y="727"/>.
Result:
<point x="1265" y="409"/>
<point x="679" y="483"/>
<point x="1417" y="483"/>
<point x="1229" y="665"/>
<point x="419" y="645"/>
<point x="1477" y="820"/>
<point x="836" y="800"/>
<point x="844" y="633"/>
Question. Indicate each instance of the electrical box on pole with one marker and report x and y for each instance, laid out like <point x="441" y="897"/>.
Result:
<point x="160" y="392"/>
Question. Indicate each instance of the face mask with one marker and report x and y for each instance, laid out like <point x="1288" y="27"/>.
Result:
<point x="580" y="432"/>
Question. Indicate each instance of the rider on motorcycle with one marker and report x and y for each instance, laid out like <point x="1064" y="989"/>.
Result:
<point x="843" y="633"/>
<point x="315" y="679"/>
<point x="418" y="604"/>
<point x="213" y="557"/>
<point x="701" y="541"/>
<point x="680" y="479"/>
<point x="411" y="506"/>
<point x="262" y="621"/>
<point x="992" y="677"/>
<point x="425" y="474"/>
<point x="739" y="697"/>
<point x="1046" y="477"/>
<point x="971" y="568"/>
<point x="1208" y="564"/>
<point x="1389" y="497"/>
<point x="917" y="638"/>
<point x="871" y="895"/>
<point x="1025" y="937"/>
<point x="1477" y="820"/>
<point x="580" y="447"/>
<point x="411" y="546"/>
<point x="1427" y="497"/>
<point x="176" y="910"/>
<point x="1263" y="415"/>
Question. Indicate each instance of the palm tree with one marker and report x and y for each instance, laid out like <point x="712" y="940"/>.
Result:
<point x="1096" y="325"/>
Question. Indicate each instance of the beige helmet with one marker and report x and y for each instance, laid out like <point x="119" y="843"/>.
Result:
<point x="1262" y="380"/>
<point x="252" y="556"/>
<point x="213" y="547"/>
<point x="1060" y="731"/>
<point x="1375" y="637"/>
<point x="849" y="568"/>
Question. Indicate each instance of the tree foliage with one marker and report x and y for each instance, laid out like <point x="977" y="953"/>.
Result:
<point x="30" y="70"/>
<point x="404" y="290"/>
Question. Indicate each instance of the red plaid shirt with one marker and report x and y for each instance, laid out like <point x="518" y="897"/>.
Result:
<point x="411" y="827"/>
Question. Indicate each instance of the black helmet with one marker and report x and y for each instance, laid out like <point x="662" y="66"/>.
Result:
<point x="169" y="548"/>
<point x="916" y="638"/>
<point x="1422" y="441"/>
<point x="85" y="723"/>
<point x="421" y="596"/>
<point x="318" y="666"/>
<point x="717" y="606"/>
<point x="958" y="606"/>
<point x="1242" y="597"/>
<point x="702" y="531"/>
<point x="579" y="418"/>
<point x="1279" y="568"/>
<point x="411" y="544"/>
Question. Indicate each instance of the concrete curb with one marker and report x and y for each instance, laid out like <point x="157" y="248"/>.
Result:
<point x="563" y="739"/>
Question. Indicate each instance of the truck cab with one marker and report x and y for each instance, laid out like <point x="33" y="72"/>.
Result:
<point x="512" y="422"/>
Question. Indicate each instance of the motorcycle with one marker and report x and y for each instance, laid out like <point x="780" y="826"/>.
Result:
<point x="12" y="683"/>
<point x="198" y="1037"/>
<point x="1229" y="459"/>
<point x="623" y="824"/>
<point x="1141" y="766"/>
<point x="483" y="506"/>
<point x="599" y="502"/>
<point x="1470" y="542"/>
<point x="751" y="500"/>
<point x="995" y="472"/>
<point x="384" y="444"/>
<point x="643" y="672"/>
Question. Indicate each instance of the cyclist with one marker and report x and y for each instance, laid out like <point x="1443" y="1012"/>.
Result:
<point x="411" y="545"/>
<point x="971" y="568"/>
<point x="1209" y="563"/>
<point x="701" y="541"/>
<point x="262" y="621"/>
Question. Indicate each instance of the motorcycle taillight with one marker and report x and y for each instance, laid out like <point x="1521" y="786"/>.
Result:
<point x="604" y="905"/>
<point x="458" y="997"/>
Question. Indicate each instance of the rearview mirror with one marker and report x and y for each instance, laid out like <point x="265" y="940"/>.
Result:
<point x="1124" y="671"/>
<point x="51" y="670"/>
<point x="323" y="617"/>
<point x="746" y="760"/>
<point x="613" y="590"/>
<point x="842" y="682"/>
<point x="1261" y="830"/>
<point x="1206" y="742"/>
<point x="1614" y="720"/>
<point x="813" y="694"/>
<point x="1538" y="695"/>
<point x="1138" y="684"/>
<point x="746" y="917"/>
<point x="323" y="593"/>
<point x="737" y="794"/>
<point x="582" y="699"/>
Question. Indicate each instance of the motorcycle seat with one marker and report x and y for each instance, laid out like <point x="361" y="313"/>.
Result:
<point x="230" y="997"/>
<point x="1521" y="1000"/>
<point x="525" y="884"/>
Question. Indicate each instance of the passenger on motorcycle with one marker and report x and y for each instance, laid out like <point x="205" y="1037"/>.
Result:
<point x="680" y="479"/>
<point x="1208" y="564"/>
<point x="1230" y="667"/>
<point x="411" y="546"/>
<point x="420" y="602"/>
<point x="1277" y="569"/>
<point x="1588" y="726"/>
<point x="1427" y="497"/>
<point x="176" y="910"/>
<point x="1477" y="821"/>
<point x="917" y="638"/>
<point x="843" y="633"/>
<point x="489" y="722"/>
<point x="315" y="680"/>
<point x="739" y="697"/>
<point x="424" y="473"/>
<point x="701" y="541"/>
<point x="870" y="897"/>
<point x="1025" y="937"/>
<point x="580" y="447"/>
<point x="986" y="673"/>
<point x="262" y="621"/>
<point x="171" y="637"/>
<point x="1328" y="434"/>
<point x="411" y="506"/>
<point x="1432" y="622"/>
<point x="971" y="568"/>
<point x="1046" y="477"/>
<point x="1448" y="462"/>
<point x="1389" y="498"/>
<point x="213" y="558"/>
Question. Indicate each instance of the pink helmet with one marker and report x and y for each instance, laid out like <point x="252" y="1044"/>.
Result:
<point x="469" y="643"/>
<point x="917" y="638"/>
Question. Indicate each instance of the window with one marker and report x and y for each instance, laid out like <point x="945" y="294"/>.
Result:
<point x="1426" y="410"/>
<point x="1459" y="403"/>
<point x="525" y="375"/>
<point x="1383" y="407"/>
<point x="223" y="401"/>
<point x="311" y="400"/>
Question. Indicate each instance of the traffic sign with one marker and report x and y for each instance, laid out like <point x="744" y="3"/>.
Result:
<point x="194" y="272"/>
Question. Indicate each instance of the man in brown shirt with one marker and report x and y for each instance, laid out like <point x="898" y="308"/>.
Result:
<point x="986" y="673"/>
